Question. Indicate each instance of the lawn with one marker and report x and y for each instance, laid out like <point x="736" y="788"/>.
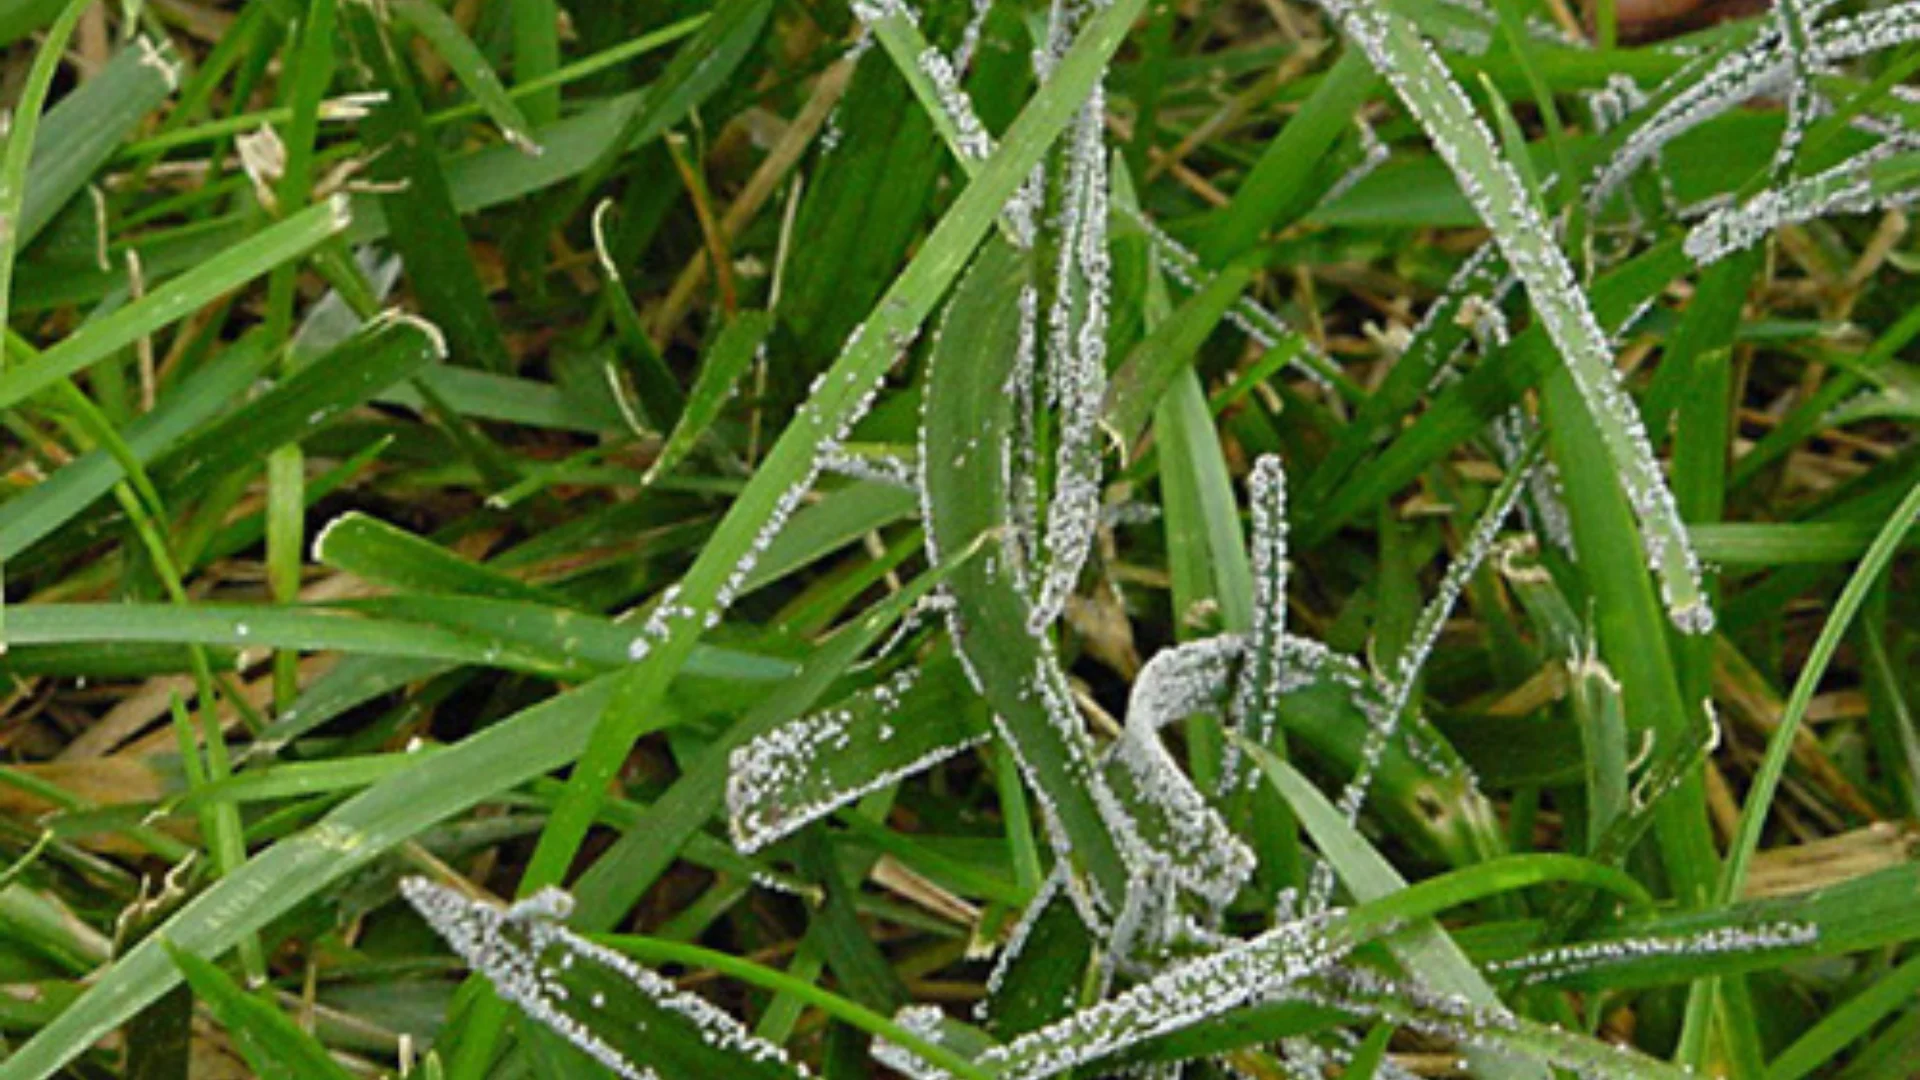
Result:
<point x="984" y="539"/>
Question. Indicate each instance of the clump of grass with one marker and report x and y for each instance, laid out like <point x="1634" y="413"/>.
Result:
<point x="1088" y="539"/>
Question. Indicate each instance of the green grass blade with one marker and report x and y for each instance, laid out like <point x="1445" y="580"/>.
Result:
<point x="162" y="306"/>
<point x="470" y="66"/>
<point x="624" y="1016"/>
<point x="30" y="516"/>
<point x="385" y="554"/>
<point x="726" y="360"/>
<point x="844" y="389"/>
<point x="17" y="157"/>
<point x="1423" y="947"/>
<point x="420" y="211"/>
<point x="1414" y="71"/>
<point x="82" y="131"/>
<point x="265" y="1036"/>
<point x="807" y="768"/>
<point x="386" y="351"/>
<point x="965" y="435"/>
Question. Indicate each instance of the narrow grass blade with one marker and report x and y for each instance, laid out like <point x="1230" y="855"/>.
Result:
<point x="616" y="881"/>
<point x="420" y="211"/>
<point x="807" y="768"/>
<point x="762" y="507"/>
<point x="624" y="1016"/>
<point x="269" y="1040"/>
<point x="387" y="351"/>
<point x="1759" y="799"/>
<point x="475" y="73"/>
<point x="162" y="306"/>
<point x="726" y="360"/>
<point x="964" y="455"/>
<point x="30" y="516"/>
<point x="17" y="156"/>
<point x="1147" y="371"/>
<point x="1423" y="948"/>
<point x="1420" y="80"/>
<point x="82" y="131"/>
<point x="388" y="555"/>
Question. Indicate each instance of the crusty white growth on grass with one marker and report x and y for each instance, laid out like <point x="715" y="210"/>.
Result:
<point x="1546" y="506"/>
<point x="1179" y="997"/>
<point x="1020" y="935"/>
<point x="1566" y="961"/>
<point x="526" y="954"/>
<point x="971" y="134"/>
<point x="1426" y="631"/>
<point x="1619" y="98"/>
<point x="876" y="466"/>
<point x="791" y="776"/>
<point x="1202" y="852"/>
<point x="1076" y="368"/>
<point x="1847" y="188"/>
<point x="1763" y="67"/>
<point x="1257" y="689"/>
<point x="1495" y="191"/>
<point x="1373" y="154"/>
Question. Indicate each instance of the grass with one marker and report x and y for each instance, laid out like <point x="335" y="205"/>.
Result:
<point x="1216" y="539"/>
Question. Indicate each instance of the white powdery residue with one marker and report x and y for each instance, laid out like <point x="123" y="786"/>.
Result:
<point x="1892" y="129"/>
<point x="1846" y="188"/>
<point x="937" y="603"/>
<point x="1089" y="901"/>
<point x="970" y="34"/>
<point x="1257" y="691"/>
<point x="1421" y="81"/>
<point x="1486" y="322"/>
<point x="1063" y="18"/>
<point x="1546" y="510"/>
<point x="526" y="953"/>
<point x="1563" y="961"/>
<point x="786" y="778"/>
<point x="1705" y="93"/>
<point x="1447" y="1016"/>
<point x="1619" y="98"/>
<point x="1134" y="512"/>
<point x="1141" y="929"/>
<point x="659" y="623"/>
<point x="1804" y="106"/>
<point x="1076" y="363"/>
<point x="971" y="135"/>
<point x="1200" y="851"/>
<point x="1181" y="681"/>
<point x="1871" y="31"/>
<point x="893" y="470"/>
<point x="1049" y="685"/>
<point x="921" y="1020"/>
<point x="872" y="11"/>
<point x="831" y="411"/>
<point x="1179" y="997"/>
<point x="1385" y="718"/>
<point x="1761" y="68"/>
